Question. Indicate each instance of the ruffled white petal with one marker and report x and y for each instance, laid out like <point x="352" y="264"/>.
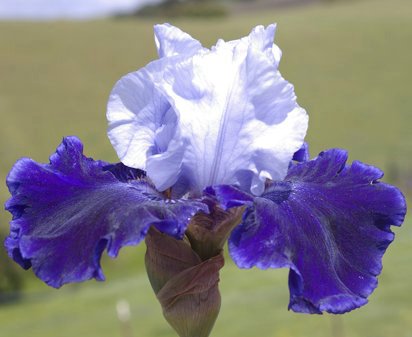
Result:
<point x="200" y="117"/>
<point x="236" y="113"/>
<point x="141" y="122"/>
<point x="171" y="41"/>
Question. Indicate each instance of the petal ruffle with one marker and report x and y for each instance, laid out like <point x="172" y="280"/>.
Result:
<point x="329" y="223"/>
<point x="171" y="41"/>
<point x="140" y="119"/>
<point x="142" y="126"/>
<point x="237" y="116"/>
<point x="66" y="213"/>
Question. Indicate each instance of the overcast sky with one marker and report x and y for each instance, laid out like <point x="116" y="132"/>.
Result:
<point x="65" y="9"/>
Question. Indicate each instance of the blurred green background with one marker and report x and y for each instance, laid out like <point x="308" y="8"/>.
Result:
<point x="350" y="62"/>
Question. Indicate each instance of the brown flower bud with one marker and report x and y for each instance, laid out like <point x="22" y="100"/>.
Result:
<point x="184" y="274"/>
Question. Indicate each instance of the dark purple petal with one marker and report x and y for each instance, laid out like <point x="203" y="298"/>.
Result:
<point x="302" y="154"/>
<point x="330" y="224"/>
<point x="228" y="196"/>
<point x="66" y="213"/>
<point x="124" y="173"/>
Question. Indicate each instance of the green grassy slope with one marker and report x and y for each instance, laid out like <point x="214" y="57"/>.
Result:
<point x="350" y="64"/>
<point x="254" y="304"/>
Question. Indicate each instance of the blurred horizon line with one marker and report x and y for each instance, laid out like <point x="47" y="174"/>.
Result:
<point x="50" y="10"/>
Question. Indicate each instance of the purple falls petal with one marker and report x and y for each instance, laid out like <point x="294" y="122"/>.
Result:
<point x="124" y="173"/>
<point x="330" y="224"/>
<point x="228" y="196"/>
<point x="66" y="213"/>
<point x="302" y="154"/>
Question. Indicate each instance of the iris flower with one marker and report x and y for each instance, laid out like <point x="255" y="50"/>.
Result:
<point x="197" y="125"/>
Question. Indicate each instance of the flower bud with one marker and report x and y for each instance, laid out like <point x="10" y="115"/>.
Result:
<point x="184" y="274"/>
<point x="186" y="286"/>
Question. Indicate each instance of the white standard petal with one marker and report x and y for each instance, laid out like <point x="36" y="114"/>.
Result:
<point x="142" y="125"/>
<point x="238" y="116"/>
<point x="260" y="38"/>
<point x="171" y="41"/>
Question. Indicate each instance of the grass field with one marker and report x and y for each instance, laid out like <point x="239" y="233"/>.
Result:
<point x="254" y="304"/>
<point x="350" y="63"/>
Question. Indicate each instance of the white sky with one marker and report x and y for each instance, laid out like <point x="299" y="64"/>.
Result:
<point x="65" y="9"/>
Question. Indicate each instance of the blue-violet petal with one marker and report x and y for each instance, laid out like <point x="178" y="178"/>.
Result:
<point x="66" y="213"/>
<point x="329" y="223"/>
<point x="302" y="154"/>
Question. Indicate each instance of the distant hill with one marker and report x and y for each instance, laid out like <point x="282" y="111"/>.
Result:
<point x="244" y="5"/>
<point x="210" y="8"/>
<point x="67" y="9"/>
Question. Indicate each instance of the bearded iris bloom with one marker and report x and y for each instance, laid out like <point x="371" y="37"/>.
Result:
<point x="199" y="129"/>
